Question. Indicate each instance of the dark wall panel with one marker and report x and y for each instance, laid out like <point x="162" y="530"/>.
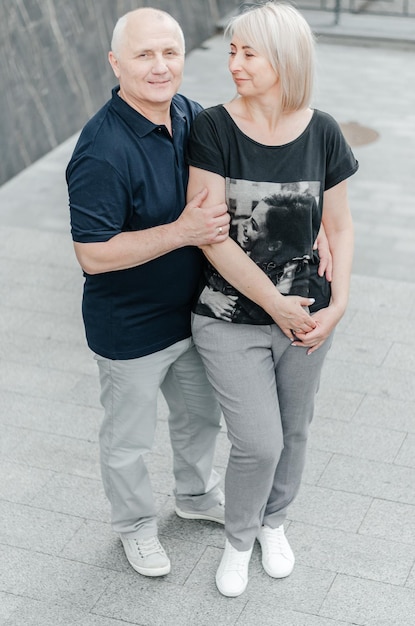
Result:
<point x="53" y="68"/>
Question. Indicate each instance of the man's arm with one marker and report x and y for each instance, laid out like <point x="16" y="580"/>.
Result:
<point x="194" y="227"/>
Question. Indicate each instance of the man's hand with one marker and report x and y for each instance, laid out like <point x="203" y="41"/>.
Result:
<point x="203" y="226"/>
<point x="322" y="245"/>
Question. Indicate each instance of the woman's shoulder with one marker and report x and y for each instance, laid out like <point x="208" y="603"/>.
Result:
<point x="324" y="120"/>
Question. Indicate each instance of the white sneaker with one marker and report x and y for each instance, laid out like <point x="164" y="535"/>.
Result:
<point x="232" y="574"/>
<point x="277" y="557"/>
<point x="146" y="556"/>
<point x="214" y="514"/>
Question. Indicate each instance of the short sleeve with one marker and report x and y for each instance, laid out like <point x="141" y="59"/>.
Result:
<point x="97" y="199"/>
<point x="205" y="149"/>
<point x="341" y="162"/>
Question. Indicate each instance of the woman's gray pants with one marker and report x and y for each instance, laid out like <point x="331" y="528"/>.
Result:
<point x="266" y="388"/>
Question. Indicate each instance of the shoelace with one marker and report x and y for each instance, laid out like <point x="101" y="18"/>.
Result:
<point x="149" y="546"/>
<point x="276" y="542"/>
<point x="235" y="562"/>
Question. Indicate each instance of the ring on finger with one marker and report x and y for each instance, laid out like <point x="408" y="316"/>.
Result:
<point x="220" y="230"/>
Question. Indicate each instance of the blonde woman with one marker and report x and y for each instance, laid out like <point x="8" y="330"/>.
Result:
<point x="264" y="358"/>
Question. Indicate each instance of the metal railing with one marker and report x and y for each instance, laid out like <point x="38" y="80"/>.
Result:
<point x="395" y="8"/>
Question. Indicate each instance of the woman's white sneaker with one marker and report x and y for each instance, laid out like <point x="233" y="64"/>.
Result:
<point x="232" y="574"/>
<point x="146" y="556"/>
<point x="277" y="557"/>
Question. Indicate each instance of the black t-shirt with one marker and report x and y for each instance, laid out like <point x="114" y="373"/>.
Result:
<point x="127" y="174"/>
<point x="275" y="198"/>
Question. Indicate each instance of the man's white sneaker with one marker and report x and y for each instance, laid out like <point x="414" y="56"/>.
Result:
<point x="232" y="574"/>
<point x="214" y="514"/>
<point x="146" y="556"/>
<point x="277" y="557"/>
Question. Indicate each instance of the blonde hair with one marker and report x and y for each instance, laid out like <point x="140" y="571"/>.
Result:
<point x="280" y="33"/>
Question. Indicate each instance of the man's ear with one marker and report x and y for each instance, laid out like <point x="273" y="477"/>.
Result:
<point x="113" y="61"/>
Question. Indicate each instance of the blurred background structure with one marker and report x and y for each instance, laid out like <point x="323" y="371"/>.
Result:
<point x="52" y="58"/>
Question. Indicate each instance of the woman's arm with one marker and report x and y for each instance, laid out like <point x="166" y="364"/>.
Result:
<point x="241" y="272"/>
<point x="337" y="221"/>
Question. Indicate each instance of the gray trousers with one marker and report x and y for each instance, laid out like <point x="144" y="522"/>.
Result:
<point x="266" y="389"/>
<point x="129" y="391"/>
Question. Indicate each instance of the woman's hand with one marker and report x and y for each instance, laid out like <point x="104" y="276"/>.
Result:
<point x="291" y="313"/>
<point x="326" y="321"/>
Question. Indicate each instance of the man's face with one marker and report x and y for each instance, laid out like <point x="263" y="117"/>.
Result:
<point x="149" y="62"/>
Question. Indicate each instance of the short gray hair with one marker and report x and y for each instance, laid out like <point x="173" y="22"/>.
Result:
<point x="120" y="26"/>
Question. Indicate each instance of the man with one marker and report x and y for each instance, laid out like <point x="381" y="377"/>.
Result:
<point x="138" y="249"/>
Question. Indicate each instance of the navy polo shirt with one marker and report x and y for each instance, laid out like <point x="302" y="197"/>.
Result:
<point x="126" y="174"/>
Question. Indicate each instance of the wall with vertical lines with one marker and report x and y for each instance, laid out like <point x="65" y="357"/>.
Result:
<point x="54" y="70"/>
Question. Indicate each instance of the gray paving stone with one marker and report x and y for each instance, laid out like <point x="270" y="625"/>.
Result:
<point x="11" y="438"/>
<point x="54" y="452"/>
<point x="50" y="416"/>
<point x="316" y="463"/>
<point x="11" y="322"/>
<point x="47" y="326"/>
<point x="390" y="520"/>
<point x="51" y="578"/>
<point x="368" y="603"/>
<point x="328" y="508"/>
<point x="9" y="604"/>
<point x="406" y="455"/>
<point x="46" y="248"/>
<point x="36" y="381"/>
<point x="366" y="557"/>
<point x="351" y="348"/>
<point x="34" y="613"/>
<point x="17" y="484"/>
<point x="353" y="440"/>
<point x="388" y="327"/>
<point x="153" y="602"/>
<point x="368" y="379"/>
<point x="34" y="529"/>
<point x="338" y="404"/>
<point x="23" y="348"/>
<point x="256" y="612"/>
<point x="371" y="478"/>
<point x="74" y="495"/>
<point x="388" y="413"/>
<point x="18" y="273"/>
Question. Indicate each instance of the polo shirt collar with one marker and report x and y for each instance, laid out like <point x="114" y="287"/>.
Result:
<point x="140" y="124"/>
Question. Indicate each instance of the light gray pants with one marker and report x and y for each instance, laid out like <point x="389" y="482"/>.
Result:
<point x="129" y="391"/>
<point x="266" y="388"/>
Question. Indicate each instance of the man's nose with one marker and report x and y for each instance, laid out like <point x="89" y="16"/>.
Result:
<point x="159" y="65"/>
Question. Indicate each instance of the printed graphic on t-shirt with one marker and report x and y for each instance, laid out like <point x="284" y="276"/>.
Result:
<point x="273" y="224"/>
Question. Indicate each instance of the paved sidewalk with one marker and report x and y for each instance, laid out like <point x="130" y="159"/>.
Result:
<point x="353" y="525"/>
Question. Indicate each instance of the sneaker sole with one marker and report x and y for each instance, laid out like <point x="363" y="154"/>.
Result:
<point x="198" y="516"/>
<point x="269" y="572"/>
<point x="231" y="594"/>
<point x="147" y="571"/>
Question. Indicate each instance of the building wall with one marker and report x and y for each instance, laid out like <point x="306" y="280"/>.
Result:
<point x="54" y="70"/>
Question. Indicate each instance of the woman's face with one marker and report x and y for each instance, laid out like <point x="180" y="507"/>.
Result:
<point x="254" y="231"/>
<point x="252" y="73"/>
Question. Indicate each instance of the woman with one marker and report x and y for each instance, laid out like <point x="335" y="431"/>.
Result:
<point x="268" y="147"/>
